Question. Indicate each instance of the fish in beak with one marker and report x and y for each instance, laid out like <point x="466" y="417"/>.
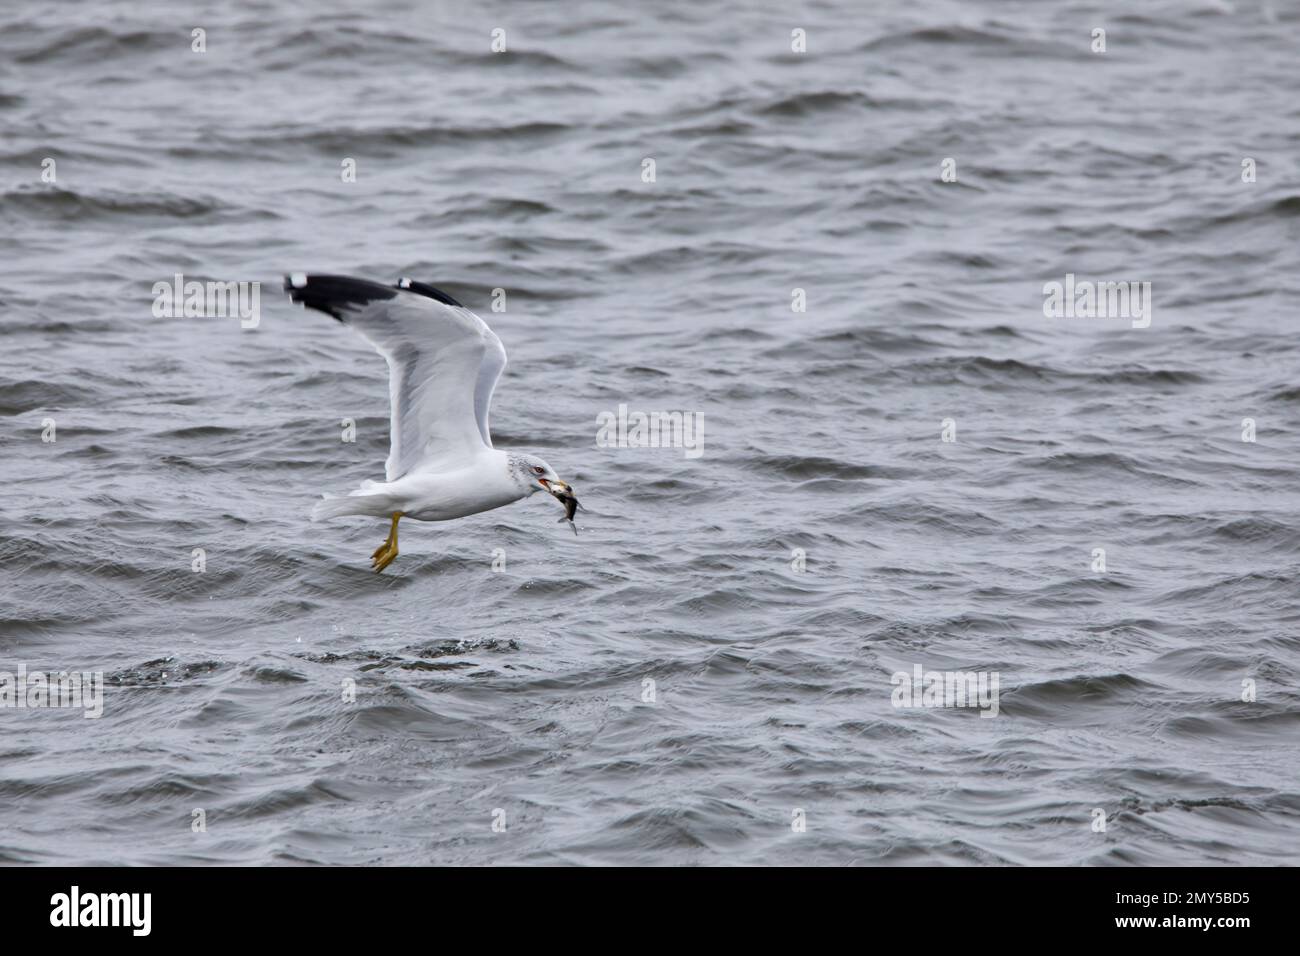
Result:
<point x="564" y="494"/>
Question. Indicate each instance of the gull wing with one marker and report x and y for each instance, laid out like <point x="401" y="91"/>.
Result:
<point x="443" y="363"/>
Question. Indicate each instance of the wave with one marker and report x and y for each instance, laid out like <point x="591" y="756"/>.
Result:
<point x="68" y="205"/>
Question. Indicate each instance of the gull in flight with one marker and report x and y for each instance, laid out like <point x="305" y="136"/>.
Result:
<point x="443" y="363"/>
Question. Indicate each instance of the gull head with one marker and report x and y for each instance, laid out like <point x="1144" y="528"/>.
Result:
<point x="537" y="475"/>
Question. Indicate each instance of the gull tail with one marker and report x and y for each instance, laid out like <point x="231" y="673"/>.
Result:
<point x="332" y="506"/>
<point x="359" y="502"/>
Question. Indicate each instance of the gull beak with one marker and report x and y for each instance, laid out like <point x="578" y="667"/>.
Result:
<point x="557" y="488"/>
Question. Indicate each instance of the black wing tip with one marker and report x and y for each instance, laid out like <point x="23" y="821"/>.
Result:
<point x="333" y="294"/>
<point x="428" y="291"/>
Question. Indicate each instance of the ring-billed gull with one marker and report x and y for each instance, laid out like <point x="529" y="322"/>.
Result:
<point x="443" y="364"/>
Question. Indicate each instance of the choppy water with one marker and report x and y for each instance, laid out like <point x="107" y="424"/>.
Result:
<point x="521" y="690"/>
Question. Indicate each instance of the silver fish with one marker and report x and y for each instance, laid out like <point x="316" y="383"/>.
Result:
<point x="564" y="494"/>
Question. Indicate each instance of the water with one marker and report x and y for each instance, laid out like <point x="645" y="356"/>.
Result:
<point x="521" y="690"/>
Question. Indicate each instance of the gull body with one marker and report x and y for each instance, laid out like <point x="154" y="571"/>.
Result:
<point x="443" y="366"/>
<point x="482" y="484"/>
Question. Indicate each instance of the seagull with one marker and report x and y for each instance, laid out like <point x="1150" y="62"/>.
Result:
<point x="443" y="364"/>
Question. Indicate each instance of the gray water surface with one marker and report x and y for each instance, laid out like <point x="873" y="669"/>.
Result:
<point x="521" y="694"/>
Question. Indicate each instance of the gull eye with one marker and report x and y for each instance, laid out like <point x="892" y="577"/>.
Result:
<point x="538" y="471"/>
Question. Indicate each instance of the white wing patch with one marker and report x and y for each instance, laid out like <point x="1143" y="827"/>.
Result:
<point x="494" y="363"/>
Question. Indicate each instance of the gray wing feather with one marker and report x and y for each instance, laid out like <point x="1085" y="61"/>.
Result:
<point x="443" y="365"/>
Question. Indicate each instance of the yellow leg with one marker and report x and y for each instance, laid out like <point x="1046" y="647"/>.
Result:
<point x="385" y="553"/>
